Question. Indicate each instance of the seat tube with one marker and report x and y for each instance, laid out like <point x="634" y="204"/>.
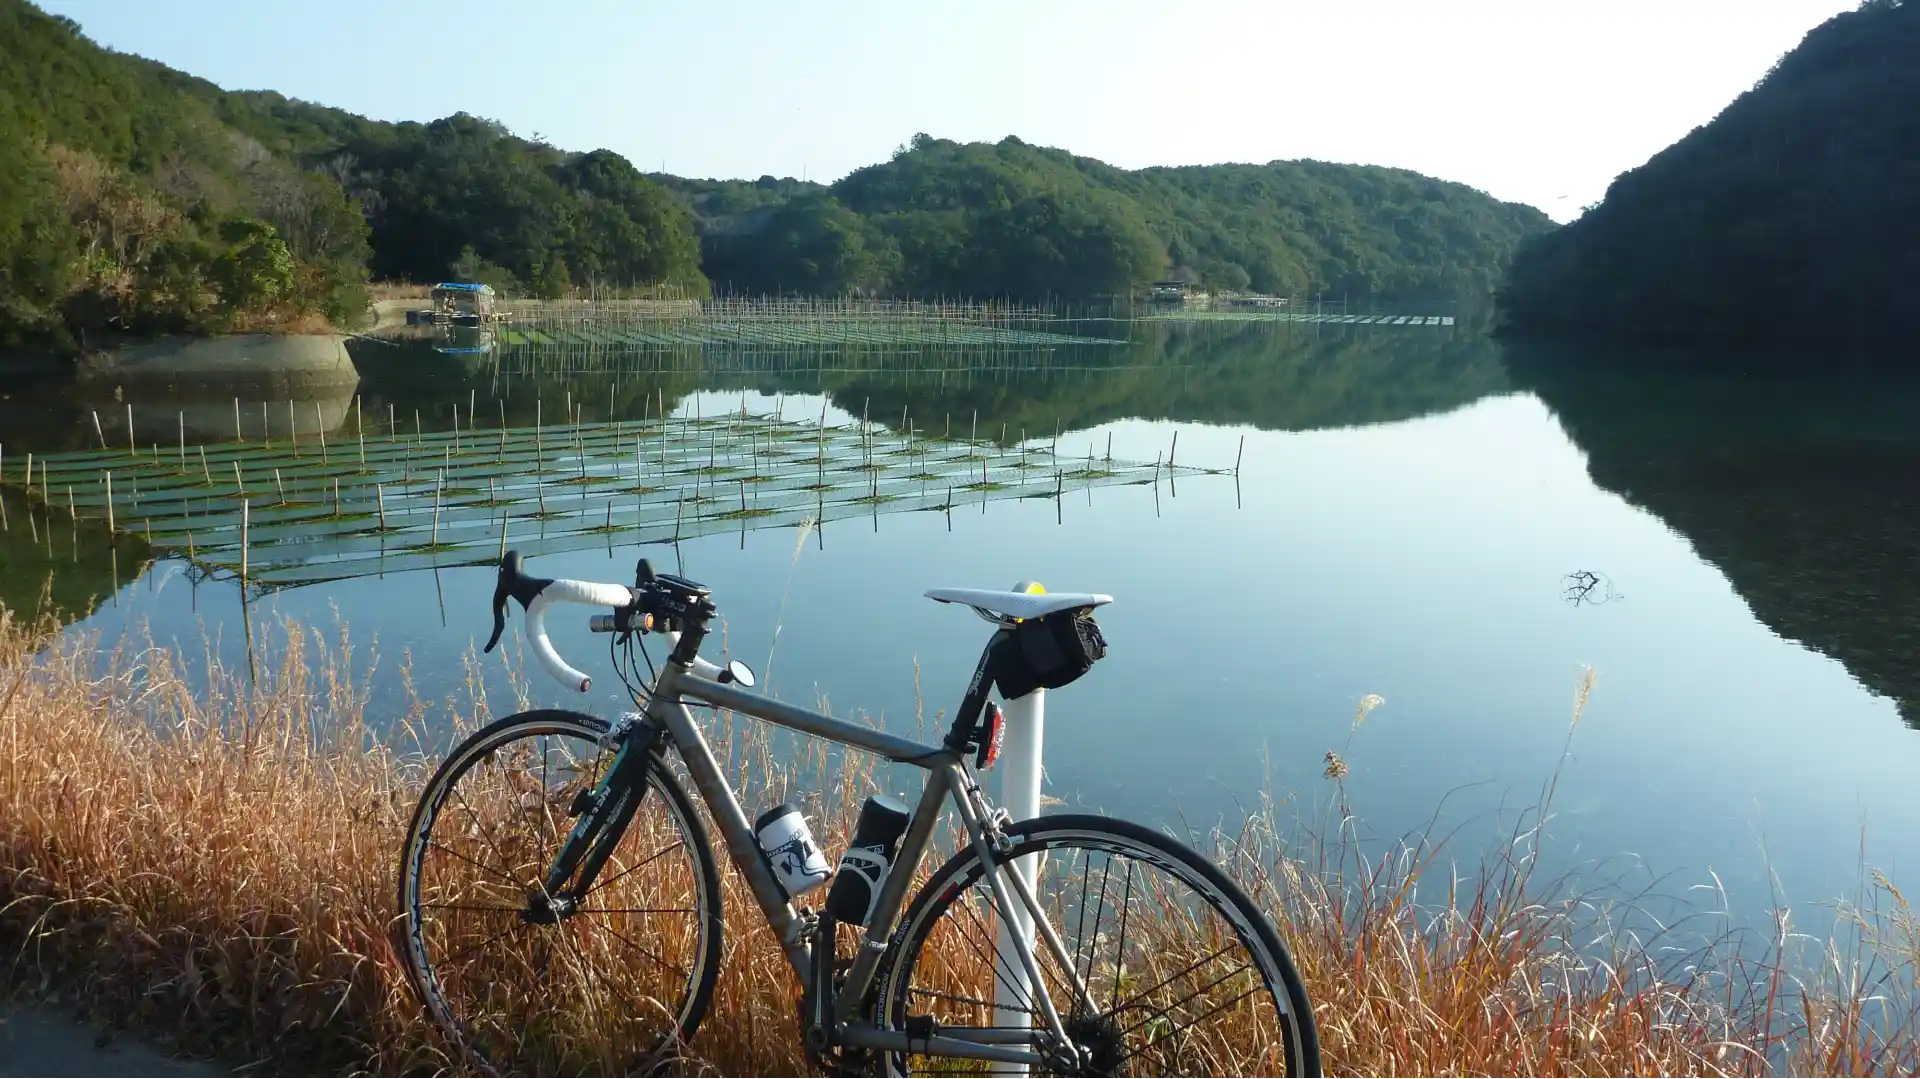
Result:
<point x="1020" y="774"/>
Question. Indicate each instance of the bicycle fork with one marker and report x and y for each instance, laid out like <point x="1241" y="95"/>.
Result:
<point x="601" y="818"/>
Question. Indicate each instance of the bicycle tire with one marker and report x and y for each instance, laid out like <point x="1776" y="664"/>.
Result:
<point x="702" y="875"/>
<point x="1297" y="1039"/>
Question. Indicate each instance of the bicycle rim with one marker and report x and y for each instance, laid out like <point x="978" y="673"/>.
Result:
<point x="1182" y="974"/>
<point x="621" y="981"/>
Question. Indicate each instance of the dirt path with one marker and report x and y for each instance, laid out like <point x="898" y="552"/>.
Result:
<point x="37" y="1042"/>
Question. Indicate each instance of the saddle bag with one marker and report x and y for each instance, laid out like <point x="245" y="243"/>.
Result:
<point x="1048" y="652"/>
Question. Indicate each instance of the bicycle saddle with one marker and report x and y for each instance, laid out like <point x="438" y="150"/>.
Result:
<point x="1020" y="605"/>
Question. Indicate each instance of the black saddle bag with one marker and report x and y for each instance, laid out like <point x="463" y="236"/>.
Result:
<point x="1048" y="652"/>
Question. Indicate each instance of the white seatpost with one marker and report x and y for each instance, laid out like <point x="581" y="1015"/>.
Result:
<point x="1020" y="773"/>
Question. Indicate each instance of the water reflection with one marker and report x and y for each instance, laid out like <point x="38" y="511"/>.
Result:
<point x="49" y="561"/>
<point x="1274" y="377"/>
<point x="1803" y="489"/>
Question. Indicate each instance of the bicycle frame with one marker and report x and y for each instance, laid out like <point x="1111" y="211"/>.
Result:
<point x="948" y="776"/>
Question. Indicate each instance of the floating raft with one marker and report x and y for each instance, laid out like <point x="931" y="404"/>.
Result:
<point x="277" y="514"/>
<point x="1298" y="316"/>
<point x="778" y="334"/>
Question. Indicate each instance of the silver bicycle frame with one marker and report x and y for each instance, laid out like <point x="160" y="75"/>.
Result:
<point x="947" y="775"/>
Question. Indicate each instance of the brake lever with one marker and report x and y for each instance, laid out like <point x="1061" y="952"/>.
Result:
<point x="514" y="582"/>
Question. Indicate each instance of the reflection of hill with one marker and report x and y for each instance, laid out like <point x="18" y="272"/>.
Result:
<point x="1805" y="492"/>
<point x="1275" y="377"/>
<point x="82" y="566"/>
<point x="57" y="413"/>
<point x="413" y="377"/>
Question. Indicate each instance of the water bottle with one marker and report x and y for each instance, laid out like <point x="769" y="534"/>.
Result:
<point x="863" y="868"/>
<point x="787" y="844"/>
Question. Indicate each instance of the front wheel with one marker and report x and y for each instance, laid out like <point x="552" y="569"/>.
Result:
<point x="1171" y="969"/>
<point x="522" y="981"/>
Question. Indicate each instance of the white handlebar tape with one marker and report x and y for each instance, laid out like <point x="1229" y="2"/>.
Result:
<point x="590" y="593"/>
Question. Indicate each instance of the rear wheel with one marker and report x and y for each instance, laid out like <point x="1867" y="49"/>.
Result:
<point x="1182" y="973"/>
<point x="522" y="982"/>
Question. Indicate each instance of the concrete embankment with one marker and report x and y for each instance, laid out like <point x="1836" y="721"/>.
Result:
<point x="318" y="359"/>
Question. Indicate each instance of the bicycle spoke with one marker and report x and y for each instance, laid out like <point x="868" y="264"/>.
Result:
<point x="636" y="910"/>
<point x="1169" y="980"/>
<point x="471" y="948"/>
<point x="1157" y="1014"/>
<point x="546" y="817"/>
<point x="993" y="959"/>
<point x="478" y="865"/>
<point x="1120" y="941"/>
<point x="473" y="908"/>
<point x="682" y="971"/>
<point x="1210" y="1014"/>
<point x="1093" y="939"/>
<point x="1080" y="927"/>
<point x="604" y="884"/>
<point x="477" y="826"/>
<point x="962" y="999"/>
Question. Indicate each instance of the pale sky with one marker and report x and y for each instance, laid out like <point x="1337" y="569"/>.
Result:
<point x="1537" y="101"/>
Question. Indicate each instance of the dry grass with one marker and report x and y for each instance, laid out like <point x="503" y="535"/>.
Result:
<point x="203" y="856"/>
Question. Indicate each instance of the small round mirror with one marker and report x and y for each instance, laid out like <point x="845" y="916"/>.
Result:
<point x="741" y="673"/>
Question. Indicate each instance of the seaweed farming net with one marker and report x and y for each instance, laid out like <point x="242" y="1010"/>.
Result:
<point x="290" y="512"/>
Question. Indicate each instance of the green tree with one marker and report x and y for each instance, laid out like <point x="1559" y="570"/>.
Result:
<point x="256" y="269"/>
<point x="36" y="242"/>
<point x="1792" y="218"/>
<point x="812" y="245"/>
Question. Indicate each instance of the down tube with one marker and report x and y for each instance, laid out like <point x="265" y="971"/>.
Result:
<point x="733" y="825"/>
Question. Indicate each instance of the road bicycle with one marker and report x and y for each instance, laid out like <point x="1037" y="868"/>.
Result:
<point x="562" y="904"/>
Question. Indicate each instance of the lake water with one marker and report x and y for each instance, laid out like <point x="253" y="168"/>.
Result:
<point x="1419" y="514"/>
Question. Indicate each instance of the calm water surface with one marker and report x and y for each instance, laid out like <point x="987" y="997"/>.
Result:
<point x="1412" y="507"/>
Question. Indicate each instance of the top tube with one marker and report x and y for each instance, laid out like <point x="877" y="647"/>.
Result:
<point x="675" y="683"/>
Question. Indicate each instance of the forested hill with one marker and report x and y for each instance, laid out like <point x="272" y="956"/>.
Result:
<point x="136" y="198"/>
<point x="982" y="219"/>
<point x="1793" y="217"/>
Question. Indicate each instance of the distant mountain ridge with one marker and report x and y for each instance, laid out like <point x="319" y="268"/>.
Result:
<point x="135" y="198"/>
<point x="1792" y="218"/>
<point x="984" y="218"/>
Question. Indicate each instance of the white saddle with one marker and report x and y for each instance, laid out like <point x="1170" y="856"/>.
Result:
<point x="997" y="606"/>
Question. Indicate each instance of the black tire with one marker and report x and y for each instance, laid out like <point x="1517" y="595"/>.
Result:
<point x="1280" y="1041"/>
<point x="576" y="994"/>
